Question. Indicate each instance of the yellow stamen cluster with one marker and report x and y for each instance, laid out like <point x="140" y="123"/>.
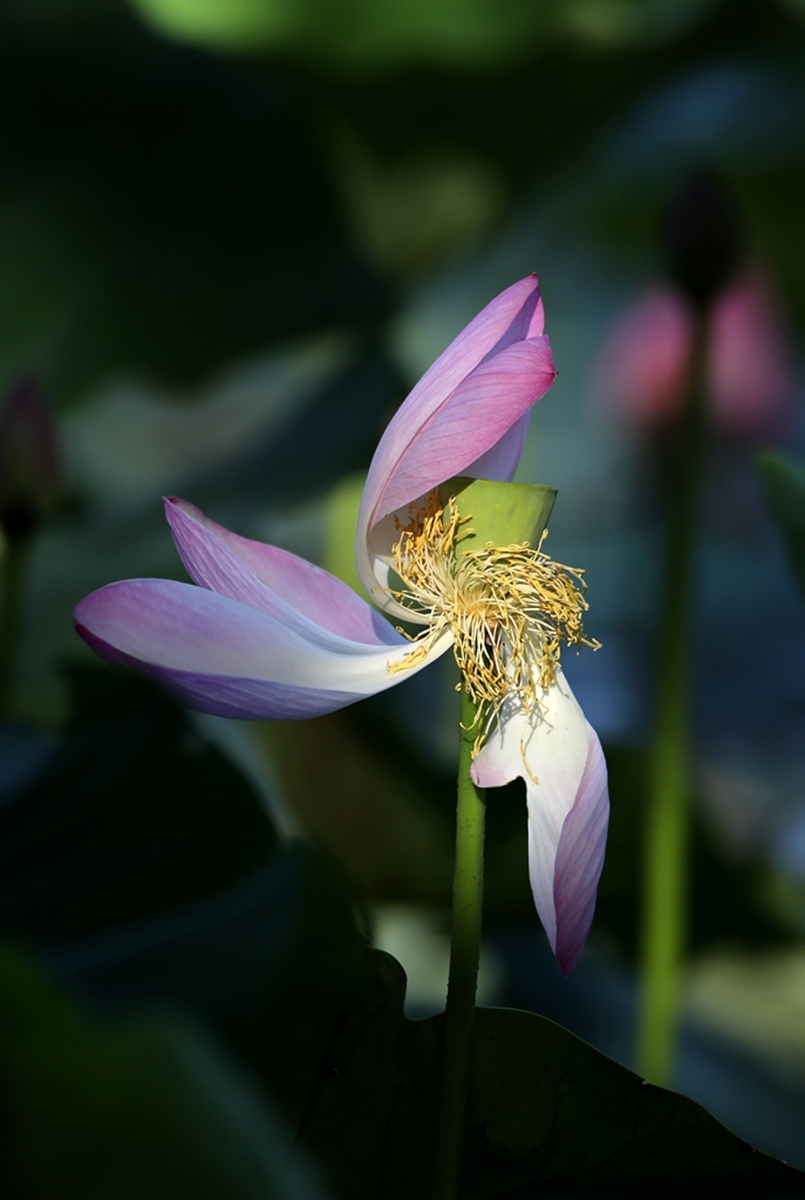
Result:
<point x="509" y="608"/>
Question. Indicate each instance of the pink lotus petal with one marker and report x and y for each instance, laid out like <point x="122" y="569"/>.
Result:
<point x="271" y="580"/>
<point x="238" y="697"/>
<point x="459" y="436"/>
<point x="218" y="651"/>
<point x="473" y="419"/>
<point x="565" y="780"/>
<point x="516" y="315"/>
<point x="502" y="460"/>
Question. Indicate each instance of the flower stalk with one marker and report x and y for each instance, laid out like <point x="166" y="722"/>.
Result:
<point x="13" y="563"/>
<point x="465" y="946"/>
<point x="666" y="832"/>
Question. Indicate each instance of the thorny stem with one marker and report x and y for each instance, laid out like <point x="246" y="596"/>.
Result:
<point x="666" y="833"/>
<point x="468" y="886"/>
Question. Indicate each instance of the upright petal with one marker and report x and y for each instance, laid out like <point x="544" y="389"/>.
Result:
<point x="467" y="415"/>
<point x="468" y="423"/>
<point x="516" y="315"/>
<point x="229" y="659"/>
<point x="556" y="752"/>
<point x="501" y="462"/>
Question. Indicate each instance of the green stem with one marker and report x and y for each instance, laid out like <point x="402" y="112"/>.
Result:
<point x="666" y="833"/>
<point x="12" y="584"/>
<point x="465" y="946"/>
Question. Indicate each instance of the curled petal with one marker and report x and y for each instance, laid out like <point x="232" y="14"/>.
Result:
<point x="227" y="658"/>
<point x="514" y="316"/>
<point x="463" y="432"/>
<point x="557" y="753"/>
<point x="473" y="419"/>
<point x="271" y="580"/>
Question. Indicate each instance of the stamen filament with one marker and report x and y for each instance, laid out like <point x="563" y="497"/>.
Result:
<point x="509" y="608"/>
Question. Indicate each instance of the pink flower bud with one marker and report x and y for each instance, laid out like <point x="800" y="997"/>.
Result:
<point x="642" y="371"/>
<point x="644" y="368"/>
<point x="750" y="375"/>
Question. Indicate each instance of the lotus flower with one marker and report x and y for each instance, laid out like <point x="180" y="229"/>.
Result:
<point x="265" y="634"/>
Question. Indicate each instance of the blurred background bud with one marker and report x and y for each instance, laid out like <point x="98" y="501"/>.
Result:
<point x="750" y="370"/>
<point x="704" y="242"/>
<point x="643" y="370"/>
<point x="30" y="462"/>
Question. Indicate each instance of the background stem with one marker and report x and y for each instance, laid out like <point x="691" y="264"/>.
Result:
<point x="666" y="832"/>
<point x="465" y="945"/>
<point x="12" y="584"/>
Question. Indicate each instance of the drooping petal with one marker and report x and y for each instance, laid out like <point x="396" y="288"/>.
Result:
<point x="229" y="659"/>
<point x="271" y="580"/>
<point x="553" y="748"/>
<point x="580" y="857"/>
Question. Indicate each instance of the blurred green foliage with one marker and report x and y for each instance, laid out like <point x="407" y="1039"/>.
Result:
<point x="141" y="1106"/>
<point x="161" y="213"/>
<point x="125" y="816"/>
<point x="165" y="210"/>
<point x="784" y="480"/>
<point x="362" y="33"/>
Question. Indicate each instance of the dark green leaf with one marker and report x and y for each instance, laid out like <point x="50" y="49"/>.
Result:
<point x="550" y="1116"/>
<point x="96" y="1110"/>
<point x="131" y="813"/>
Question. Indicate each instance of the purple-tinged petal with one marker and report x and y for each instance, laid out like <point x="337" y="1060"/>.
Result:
<point x="227" y="658"/>
<point x="469" y="423"/>
<point x="227" y="696"/>
<point x="501" y="462"/>
<point x="481" y="411"/>
<point x="580" y="858"/>
<point x="516" y="315"/>
<point x="552" y="747"/>
<point x="271" y="580"/>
